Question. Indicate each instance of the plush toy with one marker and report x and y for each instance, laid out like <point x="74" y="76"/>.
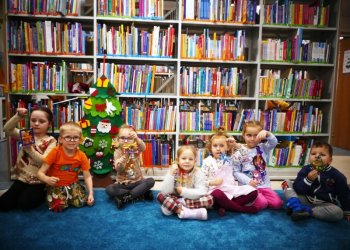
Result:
<point x="277" y="104"/>
<point x="78" y="87"/>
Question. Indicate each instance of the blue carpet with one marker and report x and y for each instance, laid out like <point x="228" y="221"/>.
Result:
<point x="142" y="226"/>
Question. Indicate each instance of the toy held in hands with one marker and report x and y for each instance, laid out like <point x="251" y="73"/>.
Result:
<point x="318" y="165"/>
<point x="27" y="136"/>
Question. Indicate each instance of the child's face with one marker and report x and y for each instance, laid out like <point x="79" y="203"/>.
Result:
<point x="126" y="136"/>
<point x="320" y="153"/>
<point x="39" y="122"/>
<point x="218" y="146"/>
<point x="186" y="160"/>
<point x="70" y="140"/>
<point x="250" y="136"/>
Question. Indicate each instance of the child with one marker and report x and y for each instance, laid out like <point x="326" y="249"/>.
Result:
<point x="27" y="192"/>
<point x="130" y="184"/>
<point x="319" y="190"/>
<point x="219" y="172"/>
<point x="61" y="168"/>
<point x="249" y="164"/>
<point x="184" y="191"/>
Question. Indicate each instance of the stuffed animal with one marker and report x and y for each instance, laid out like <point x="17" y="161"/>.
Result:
<point x="277" y="104"/>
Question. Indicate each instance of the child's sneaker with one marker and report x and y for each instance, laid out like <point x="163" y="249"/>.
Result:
<point x="296" y="216"/>
<point x="120" y="201"/>
<point x="148" y="196"/>
<point x="196" y="213"/>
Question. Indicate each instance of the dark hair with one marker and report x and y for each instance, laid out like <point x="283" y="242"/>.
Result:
<point x="48" y="114"/>
<point x="326" y="145"/>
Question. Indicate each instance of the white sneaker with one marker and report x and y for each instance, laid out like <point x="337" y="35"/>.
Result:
<point x="166" y="211"/>
<point x="196" y="213"/>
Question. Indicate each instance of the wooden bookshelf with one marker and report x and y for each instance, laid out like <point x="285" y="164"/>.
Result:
<point x="180" y="23"/>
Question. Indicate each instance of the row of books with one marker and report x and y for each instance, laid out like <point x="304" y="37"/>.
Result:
<point x="210" y="115"/>
<point x="158" y="152"/>
<point x="236" y="11"/>
<point x="147" y="9"/>
<point x="132" y="41"/>
<point x="38" y="77"/>
<point x="45" y="7"/>
<point x="303" y="120"/>
<point x="296" y="13"/>
<point x="212" y="81"/>
<point x="46" y="37"/>
<point x="287" y="50"/>
<point x="290" y="153"/>
<point x="272" y="84"/>
<point x="150" y="116"/>
<point x="70" y="111"/>
<point x="222" y="47"/>
<point x="138" y="79"/>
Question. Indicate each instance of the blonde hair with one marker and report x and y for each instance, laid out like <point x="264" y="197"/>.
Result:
<point x="69" y="126"/>
<point x="219" y="132"/>
<point x="251" y="124"/>
<point x="126" y="126"/>
<point x="184" y="148"/>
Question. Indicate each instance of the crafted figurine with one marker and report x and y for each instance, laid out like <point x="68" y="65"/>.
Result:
<point x="318" y="164"/>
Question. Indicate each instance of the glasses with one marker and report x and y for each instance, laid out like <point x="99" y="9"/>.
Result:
<point x="126" y="139"/>
<point x="74" y="138"/>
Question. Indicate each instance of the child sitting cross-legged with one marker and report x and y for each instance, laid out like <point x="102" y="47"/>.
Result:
<point x="184" y="190"/>
<point x="130" y="184"/>
<point x="320" y="190"/>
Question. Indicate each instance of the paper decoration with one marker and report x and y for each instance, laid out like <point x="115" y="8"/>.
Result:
<point x="27" y="136"/>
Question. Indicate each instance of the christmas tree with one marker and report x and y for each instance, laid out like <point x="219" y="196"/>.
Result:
<point x="100" y="125"/>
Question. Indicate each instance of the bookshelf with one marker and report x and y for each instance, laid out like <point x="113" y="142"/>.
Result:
<point x="208" y="67"/>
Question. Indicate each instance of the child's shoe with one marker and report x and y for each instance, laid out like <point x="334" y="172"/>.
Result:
<point x="196" y="213"/>
<point x="148" y="196"/>
<point x="120" y="201"/>
<point x="296" y="216"/>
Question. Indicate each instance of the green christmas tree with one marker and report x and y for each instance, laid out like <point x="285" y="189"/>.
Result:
<point x="100" y="125"/>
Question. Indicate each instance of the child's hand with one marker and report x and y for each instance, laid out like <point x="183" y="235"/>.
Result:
<point x="179" y="190"/>
<point x="22" y="112"/>
<point x="312" y="175"/>
<point x="90" y="200"/>
<point x="51" y="180"/>
<point x="216" y="182"/>
<point x="173" y="169"/>
<point x="133" y="135"/>
<point x="253" y="183"/>
<point x="262" y="135"/>
<point x="232" y="142"/>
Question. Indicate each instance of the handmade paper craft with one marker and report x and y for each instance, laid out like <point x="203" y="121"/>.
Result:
<point x="27" y="136"/>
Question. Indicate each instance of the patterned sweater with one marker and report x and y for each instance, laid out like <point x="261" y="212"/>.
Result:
<point x="131" y="171"/>
<point x="29" y="159"/>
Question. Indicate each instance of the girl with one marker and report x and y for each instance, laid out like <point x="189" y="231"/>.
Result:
<point x="27" y="192"/>
<point x="183" y="190"/>
<point x="219" y="172"/>
<point x="61" y="168"/>
<point x="130" y="183"/>
<point x="249" y="164"/>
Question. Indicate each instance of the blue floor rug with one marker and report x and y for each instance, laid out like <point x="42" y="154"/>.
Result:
<point x="142" y="226"/>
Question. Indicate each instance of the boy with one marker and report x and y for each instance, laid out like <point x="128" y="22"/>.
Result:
<point x="319" y="190"/>
<point x="61" y="168"/>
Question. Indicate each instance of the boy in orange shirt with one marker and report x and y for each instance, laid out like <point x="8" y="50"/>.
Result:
<point x="61" y="168"/>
